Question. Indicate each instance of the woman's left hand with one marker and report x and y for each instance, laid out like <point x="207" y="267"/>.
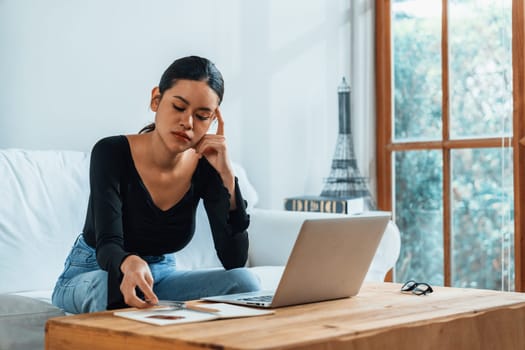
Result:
<point x="213" y="147"/>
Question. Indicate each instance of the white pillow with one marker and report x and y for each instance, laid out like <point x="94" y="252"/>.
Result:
<point x="43" y="200"/>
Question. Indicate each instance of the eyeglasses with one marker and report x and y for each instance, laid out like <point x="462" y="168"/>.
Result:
<point x="417" y="288"/>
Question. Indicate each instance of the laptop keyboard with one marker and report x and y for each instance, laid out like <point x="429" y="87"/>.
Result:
<point x="263" y="298"/>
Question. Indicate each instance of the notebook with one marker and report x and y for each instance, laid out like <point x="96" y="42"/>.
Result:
<point x="329" y="260"/>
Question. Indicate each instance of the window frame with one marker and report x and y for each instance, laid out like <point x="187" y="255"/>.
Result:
<point x="385" y="144"/>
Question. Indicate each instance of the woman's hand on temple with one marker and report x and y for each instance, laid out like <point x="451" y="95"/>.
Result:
<point x="213" y="147"/>
<point x="137" y="274"/>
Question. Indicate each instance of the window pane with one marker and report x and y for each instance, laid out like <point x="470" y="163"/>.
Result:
<point x="418" y="213"/>
<point x="483" y="218"/>
<point x="416" y="32"/>
<point x="480" y="65"/>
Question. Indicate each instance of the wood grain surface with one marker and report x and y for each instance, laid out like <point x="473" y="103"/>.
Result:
<point x="379" y="317"/>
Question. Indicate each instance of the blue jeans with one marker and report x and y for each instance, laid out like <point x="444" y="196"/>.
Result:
<point x="82" y="286"/>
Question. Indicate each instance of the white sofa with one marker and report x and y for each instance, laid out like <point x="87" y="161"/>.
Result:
<point x="43" y="199"/>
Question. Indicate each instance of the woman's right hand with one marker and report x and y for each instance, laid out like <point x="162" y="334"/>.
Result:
<point x="137" y="274"/>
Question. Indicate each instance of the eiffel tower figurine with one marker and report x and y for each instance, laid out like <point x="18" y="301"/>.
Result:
<point x="345" y="180"/>
<point x="345" y="190"/>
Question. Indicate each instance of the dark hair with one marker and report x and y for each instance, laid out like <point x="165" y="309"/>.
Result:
<point x="190" y="68"/>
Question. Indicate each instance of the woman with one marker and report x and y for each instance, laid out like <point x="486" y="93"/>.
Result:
<point x="144" y="193"/>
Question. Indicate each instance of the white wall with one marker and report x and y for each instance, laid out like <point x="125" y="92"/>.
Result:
<point x="363" y="92"/>
<point x="74" y="71"/>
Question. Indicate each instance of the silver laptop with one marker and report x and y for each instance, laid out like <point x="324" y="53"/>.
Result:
<point x="329" y="260"/>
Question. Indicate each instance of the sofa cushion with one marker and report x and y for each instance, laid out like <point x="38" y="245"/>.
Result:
<point x="269" y="276"/>
<point x="22" y="321"/>
<point x="270" y="226"/>
<point x="43" y="204"/>
<point x="43" y="201"/>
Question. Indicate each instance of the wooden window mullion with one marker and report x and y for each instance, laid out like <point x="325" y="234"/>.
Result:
<point x="383" y="88"/>
<point x="447" y="208"/>
<point x="518" y="142"/>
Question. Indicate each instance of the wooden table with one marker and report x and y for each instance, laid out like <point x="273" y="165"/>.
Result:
<point x="380" y="317"/>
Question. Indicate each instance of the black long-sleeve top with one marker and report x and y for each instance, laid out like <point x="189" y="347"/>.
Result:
<point x="122" y="218"/>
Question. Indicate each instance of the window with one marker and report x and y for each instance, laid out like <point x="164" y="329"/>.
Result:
<point x="450" y="130"/>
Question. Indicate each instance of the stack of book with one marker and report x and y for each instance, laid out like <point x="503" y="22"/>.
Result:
<point x="325" y="204"/>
